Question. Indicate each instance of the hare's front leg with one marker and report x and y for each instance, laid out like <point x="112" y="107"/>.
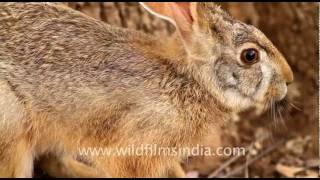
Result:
<point x="67" y="166"/>
<point x="176" y="171"/>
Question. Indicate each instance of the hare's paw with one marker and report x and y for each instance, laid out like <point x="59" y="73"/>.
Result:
<point x="66" y="166"/>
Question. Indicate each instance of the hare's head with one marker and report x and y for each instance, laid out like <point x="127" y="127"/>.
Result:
<point x="235" y="61"/>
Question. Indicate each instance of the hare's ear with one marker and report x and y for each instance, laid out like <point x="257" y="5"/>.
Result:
<point x="181" y="14"/>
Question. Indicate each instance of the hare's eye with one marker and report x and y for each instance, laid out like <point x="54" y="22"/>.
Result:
<point x="249" y="56"/>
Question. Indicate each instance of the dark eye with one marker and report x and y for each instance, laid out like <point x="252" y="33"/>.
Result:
<point x="250" y="56"/>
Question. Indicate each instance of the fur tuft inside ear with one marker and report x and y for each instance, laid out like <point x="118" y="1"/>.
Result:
<point x="178" y="13"/>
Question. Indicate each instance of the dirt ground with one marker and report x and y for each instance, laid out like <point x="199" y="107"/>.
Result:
<point x="285" y="145"/>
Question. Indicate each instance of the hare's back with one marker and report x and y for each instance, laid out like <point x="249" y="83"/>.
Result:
<point x="42" y="38"/>
<point x="48" y="30"/>
<point x="51" y="54"/>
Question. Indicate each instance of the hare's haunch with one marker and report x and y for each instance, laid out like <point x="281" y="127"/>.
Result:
<point x="70" y="83"/>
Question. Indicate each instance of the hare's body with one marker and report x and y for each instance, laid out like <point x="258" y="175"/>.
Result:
<point x="66" y="85"/>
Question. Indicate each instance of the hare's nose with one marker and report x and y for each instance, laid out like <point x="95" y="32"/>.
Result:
<point x="289" y="80"/>
<point x="288" y="77"/>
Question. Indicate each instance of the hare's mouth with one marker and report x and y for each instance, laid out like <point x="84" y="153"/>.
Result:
<point x="282" y="104"/>
<point x="277" y="108"/>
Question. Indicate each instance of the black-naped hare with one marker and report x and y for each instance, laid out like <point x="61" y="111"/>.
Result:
<point x="69" y="82"/>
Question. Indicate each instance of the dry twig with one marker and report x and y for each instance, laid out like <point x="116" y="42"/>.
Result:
<point x="251" y="161"/>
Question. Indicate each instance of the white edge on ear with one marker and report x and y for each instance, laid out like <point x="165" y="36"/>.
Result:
<point x="156" y="14"/>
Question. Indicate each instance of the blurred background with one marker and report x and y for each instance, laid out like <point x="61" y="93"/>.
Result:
<point x="285" y="145"/>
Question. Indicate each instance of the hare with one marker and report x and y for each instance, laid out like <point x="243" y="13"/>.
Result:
<point x="68" y="82"/>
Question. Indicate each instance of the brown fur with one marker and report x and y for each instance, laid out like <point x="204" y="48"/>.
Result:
<point x="72" y="81"/>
